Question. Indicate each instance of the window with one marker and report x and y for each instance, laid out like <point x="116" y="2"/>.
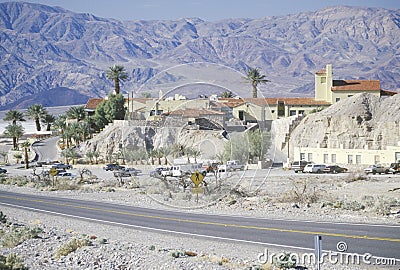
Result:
<point x="272" y="111"/>
<point x="326" y="158"/>
<point x="350" y="159"/>
<point x="337" y="99"/>
<point x="281" y="108"/>
<point x="323" y="79"/>
<point x="358" y="159"/>
<point x="377" y="159"/>
<point x="397" y="156"/>
<point x="301" y="112"/>
<point x="333" y="158"/>
<point x="241" y="115"/>
<point x="302" y="156"/>
<point x="309" y="157"/>
<point x="292" y="112"/>
<point x="349" y="95"/>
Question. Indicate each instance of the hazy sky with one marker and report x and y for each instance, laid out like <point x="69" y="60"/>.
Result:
<point x="209" y="10"/>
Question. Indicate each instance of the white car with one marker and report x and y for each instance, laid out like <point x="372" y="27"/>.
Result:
<point x="314" y="168"/>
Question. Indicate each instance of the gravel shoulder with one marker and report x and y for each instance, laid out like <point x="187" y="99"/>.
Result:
<point x="128" y="248"/>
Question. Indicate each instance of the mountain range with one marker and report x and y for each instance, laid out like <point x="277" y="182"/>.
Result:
<point x="48" y="51"/>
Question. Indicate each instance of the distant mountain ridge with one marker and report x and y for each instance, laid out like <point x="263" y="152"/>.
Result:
<point x="44" y="48"/>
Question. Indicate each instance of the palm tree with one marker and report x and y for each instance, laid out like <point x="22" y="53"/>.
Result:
<point x="48" y="119"/>
<point x="14" y="116"/>
<point x="117" y="74"/>
<point x="76" y="112"/>
<point x="96" y="155"/>
<point x="26" y="145"/>
<point x="159" y="154"/>
<point x="196" y="153"/>
<point x="227" y="94"/>
<point x="90" y="155"/>
<point x="60" y="123"/>
<point x="14" y="131"/>
<point x="36" y="112"/>
<point x="254" y="76"/>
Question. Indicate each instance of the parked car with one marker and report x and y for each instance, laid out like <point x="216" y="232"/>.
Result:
<point x="3" y="170"/>
<point x="113" y="167"/>
<point x="298" y="166"/>
<point x="314" y="168"/>
<point x="64" y="174"/>
<point x="61" y="166"/>
<point x="394" y="168"/>
<point x="126" y="172"/>
<point x="234" y="165"/>
<point x="374" y="169"/>
<point x="334" y="169"/>
<point x="156" y="172"/>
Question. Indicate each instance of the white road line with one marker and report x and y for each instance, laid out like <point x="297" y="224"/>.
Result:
<point x="181" y="233"/>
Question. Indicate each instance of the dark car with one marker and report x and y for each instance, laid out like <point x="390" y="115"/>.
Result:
<point x="58" y="166"/>
<point x="3" y="170"/>
<point x="334" y="169"/>
<point x="157" y="172"/>
<point x="126" y="172"/>
<point x="113" y="167"/>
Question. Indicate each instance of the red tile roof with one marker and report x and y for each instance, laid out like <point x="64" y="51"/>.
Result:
<point x="356" y="85"/>
<point x="194" y="112"/>
<point x="321" y="72"/>
<point x="140" y="100"/>
<point x="92" y="103"/>
<point x="274" y="101"/>
<point x="388" y="93"/>
<point x="297" y="101"/>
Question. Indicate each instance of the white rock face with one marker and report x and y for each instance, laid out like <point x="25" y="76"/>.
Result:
<point x="122" y="135"/>
<point x="361" y="120"/>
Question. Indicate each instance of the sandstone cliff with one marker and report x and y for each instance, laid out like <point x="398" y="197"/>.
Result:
<point x="361" y="120"/>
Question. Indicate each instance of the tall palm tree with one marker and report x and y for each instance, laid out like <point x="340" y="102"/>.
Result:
<point x="36" y="112"/>
<point x="26" y="145"/>
<point x="14" y="116"/>
<point x="48" y="119"/>
<point x="76" y="112"/>
<point x="15" y="132"/>
<point x="117" y="74"/>
<point x="254" y="76"/>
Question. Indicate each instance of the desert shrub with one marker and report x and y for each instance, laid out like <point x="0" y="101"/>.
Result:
<point x="353" y="205"/>
<point x="71" y="246"/>
<point x="301" y="192"/>
<point x="12" y="262"/>
<point x="66" y="184"/>
<point x="18" y="235"/>
<point x="284" y="260"/>
<point x="3" y="218"/>
<point x="352" y="177"/>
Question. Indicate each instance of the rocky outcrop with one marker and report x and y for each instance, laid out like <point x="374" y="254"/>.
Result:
<point x="124" y="135"/>
<point x="363" y="120"/>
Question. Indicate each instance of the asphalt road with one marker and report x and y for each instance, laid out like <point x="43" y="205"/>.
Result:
<point x="377" y="240"/>
<point x="46" y="149"/>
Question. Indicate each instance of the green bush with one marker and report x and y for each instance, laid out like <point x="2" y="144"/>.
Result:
<point x="12" y="262"/>
<point x="71" y="246"/>
<point x="3" y="218"/>
<point x="18" y="235"/>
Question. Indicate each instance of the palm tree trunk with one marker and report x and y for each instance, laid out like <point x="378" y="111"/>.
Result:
<point x="26" y="159"/>
<point x="254" y="91"/>
<point x="116" y="84"/>
<point x="37" y="122"/>
<point x="15" y="143"/>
